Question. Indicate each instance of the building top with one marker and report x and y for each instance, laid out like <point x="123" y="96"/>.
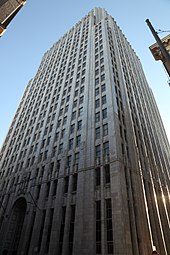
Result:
<point x="154" y="48"/>
<point x="8" y="10"/>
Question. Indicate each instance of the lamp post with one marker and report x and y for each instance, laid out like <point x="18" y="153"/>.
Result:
<point x="162" y="48"/>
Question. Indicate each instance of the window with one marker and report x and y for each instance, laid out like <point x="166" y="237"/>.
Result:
<point x="106" y="148"/>
<point x="66" y="182"/>
<point x="60" y="150"/>
<point x="79" y="126"/>
<point x="62" y="133"/>
<point x="75" y="103"/>
<point x="98" y="227"/>
<point x="109" y="228"/>
<point x="76" y="159"/>
<point x="61" y="236"/>
<point x="97" y="91"/>
<point x="73" y="115"/>
<point x="103" y="88"/>
<point x="72" y="128"/>
<point x="70" y="146"/>
<point x="98" y="151"/>
<point x="81" y="99"/>
<point x="97" y="117"/>
<point x="47" y="189"/>
<point x="71" y="231"/>
<point x="78" y="140"/>
<point x="107" y="173"/>
<point x="104" y="113"/>
<point x="97" y="132"/>
<point x="105" y="129"/>
<point x="80" y="111"/>
<point x="97" y="103"/>
<point x="74" y="182"/>
<point x="69" y="161"/>
<point x="97" y="175"/>
<point x="64" y="120"/>
<point x="104" y="99"/>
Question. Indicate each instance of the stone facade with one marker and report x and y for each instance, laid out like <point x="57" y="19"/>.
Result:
<point x="85" y="164"/>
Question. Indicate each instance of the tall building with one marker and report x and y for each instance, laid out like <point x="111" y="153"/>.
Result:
<point x="8" y="10"/>
<point x="85" y="164"/>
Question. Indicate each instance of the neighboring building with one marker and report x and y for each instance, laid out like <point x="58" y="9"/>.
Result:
<point x="157" y="53"/>
<point x="8" y="10"/>
<point x="85" y="166"/>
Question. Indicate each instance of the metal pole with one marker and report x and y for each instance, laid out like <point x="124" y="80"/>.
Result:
<point x="159" y="42"/>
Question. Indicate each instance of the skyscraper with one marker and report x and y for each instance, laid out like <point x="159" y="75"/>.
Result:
<point x="85" y="164"/>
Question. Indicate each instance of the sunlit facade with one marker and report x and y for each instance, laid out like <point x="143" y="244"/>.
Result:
<point x="85" y="165"/>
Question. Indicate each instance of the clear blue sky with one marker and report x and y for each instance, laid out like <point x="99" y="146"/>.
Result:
<point x="41" y="23"/>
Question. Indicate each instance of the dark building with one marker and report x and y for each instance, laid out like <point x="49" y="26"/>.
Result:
<point x="8" y="10"/>
<point x="85" y="165"/>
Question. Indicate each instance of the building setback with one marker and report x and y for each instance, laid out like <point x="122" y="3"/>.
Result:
<point x="85" y="164"/>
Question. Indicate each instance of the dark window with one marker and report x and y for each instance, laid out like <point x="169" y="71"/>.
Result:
<point x="66" y="182"/>
<point x="79" y="126"/>
<point x="97" y="117"/>
<point x="97" y="175"/>
<point x="104" y="99"/>
<point x="55" y="182"/>
<point x="49" y="229"/>
<point x="104" y="113"/>
<point x="71" y="231"/>
<point x="98" y="227"/>
<point x="107" y="173"/>
<point x="76" y="159"/>
<point x="74" y="179"/>
<point x="97" y="132"/>
<point x="62" y="229"/>
<point x="105" y="129"/>
<point x="97" y="103"/>
<point x="78" y="140"/>
<point x="109" y="228"/>
<point x="106" y="148"/>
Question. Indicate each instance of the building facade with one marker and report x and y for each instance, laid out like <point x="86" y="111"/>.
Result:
<point x="8" y="10"/>
<point x="85" y="164"/>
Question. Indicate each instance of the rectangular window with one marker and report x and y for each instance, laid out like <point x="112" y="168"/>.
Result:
<point x="74" y="182"/>
<point x="97" y="117"/>
<point x="70" y="146"/>
<point x="97" y="103"/>
<point x="73" y="115"/>
<point x="104" y="99"/>
<point x="81" y="111"/>
<point x="107" y="173"/>
<point x="105" y="129"/>
<point x="97" y="175"/>
<point x="78" y="140"/>
<point x="60" y="150"/>
<point x="79" y="126"/>
<point x="76" y="159"/>
<point x="98" y="151"/>
<point x="55" y="182"/>
<point x="104" y="113"/>
<point x="49" y="229"/>
<point x="66" y="182"/>
<point x="62" y="229"/>
<point x="97" y="91"/>
<point x="106" y="148"/>
<point x="98" y="227"/>
<point x="69" y="161"/>
<point x="109" y="228"/>
<point x="72" y="128"/>
<point x="97" y="132"/>
<point x="71" y="231"/>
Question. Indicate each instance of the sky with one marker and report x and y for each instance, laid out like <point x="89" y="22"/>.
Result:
<point x="41" y="23"/>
